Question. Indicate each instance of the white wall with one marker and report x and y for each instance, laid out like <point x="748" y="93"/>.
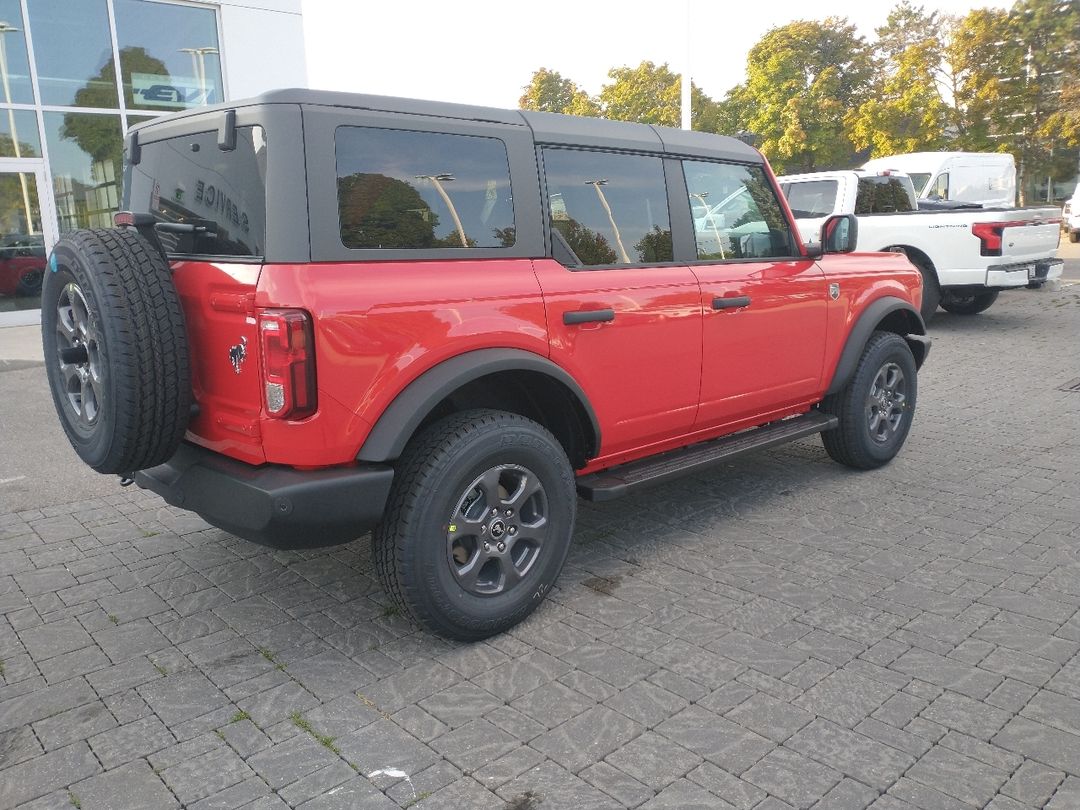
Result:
<point x="262" y="45"/>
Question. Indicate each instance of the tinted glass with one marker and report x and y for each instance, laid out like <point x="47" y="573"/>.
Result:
<point x="610" y="209"/>
<point x="883" y="195"/>
<point x="736" y="212"/>
<point x="19" y="134"/>
<point x="815" y="198"/>
<point x="85" y="151"/>
<point x="940" y="190"/>
<point x="73" y="50"/>
<point x="16" y="87"/>
<point x="168" y="55"/>
<point x="422" y="190"/>
<point x="188" y="179"/>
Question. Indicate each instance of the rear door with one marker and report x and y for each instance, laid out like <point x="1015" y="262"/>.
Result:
<point x="764" y="304"/>
<point x="623" y="317"/>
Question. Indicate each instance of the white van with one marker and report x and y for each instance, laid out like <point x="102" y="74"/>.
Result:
<point x="986" y="178"/>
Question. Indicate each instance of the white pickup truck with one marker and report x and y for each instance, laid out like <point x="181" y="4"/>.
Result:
<point x="966" y="256"/>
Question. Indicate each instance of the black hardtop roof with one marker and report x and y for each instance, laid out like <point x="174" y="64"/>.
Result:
<point x="547" y="128"/>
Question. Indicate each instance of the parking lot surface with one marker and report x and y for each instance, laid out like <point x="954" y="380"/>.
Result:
<point x="780" y="632"/>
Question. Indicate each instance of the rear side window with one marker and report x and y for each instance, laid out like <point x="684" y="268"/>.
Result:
<point x="399" y="189"/>
<point x="188" y="179"/>
<point x="608" y="208"/>
<point x="814" y="198"/>
<point x="883" y="195"/>
<point x="736" y="212"/>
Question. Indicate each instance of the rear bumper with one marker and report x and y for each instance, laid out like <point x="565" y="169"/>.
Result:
<point x="1020" y="274"/>
<point x="273" y="505"/>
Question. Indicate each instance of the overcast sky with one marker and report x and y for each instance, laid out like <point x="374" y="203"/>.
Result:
<point x="484" y="51"/>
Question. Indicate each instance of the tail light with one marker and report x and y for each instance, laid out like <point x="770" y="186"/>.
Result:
<point x="288" y="363"/>
<point x="989" y="234"/>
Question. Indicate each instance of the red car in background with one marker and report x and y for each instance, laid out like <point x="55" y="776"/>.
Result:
<point x="22" y="265"/>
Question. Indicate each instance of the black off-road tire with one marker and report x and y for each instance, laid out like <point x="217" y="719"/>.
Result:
<point x="412" y="549"/>
<point x="852" y="443"/>
<point x="1074" y="236"/>
<point x="110" y="292"/>
<point x="968" y="303"/>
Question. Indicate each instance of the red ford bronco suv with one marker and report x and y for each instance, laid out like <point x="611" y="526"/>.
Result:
<point x="326" y="313"/>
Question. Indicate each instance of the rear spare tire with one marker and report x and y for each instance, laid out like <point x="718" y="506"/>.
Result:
<point x="116" y="349"/>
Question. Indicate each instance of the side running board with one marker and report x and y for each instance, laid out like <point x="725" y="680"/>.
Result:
<point x="623" y="479"/>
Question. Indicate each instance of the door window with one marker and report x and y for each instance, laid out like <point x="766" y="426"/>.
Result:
<point x="607" y="209"/>
<point x="940" y="190"/>
<point x="736" y="212"/>
<point x="22" y="242"/>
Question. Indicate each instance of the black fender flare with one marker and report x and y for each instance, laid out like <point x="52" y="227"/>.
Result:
<point x="411" y="406"/>
<point x="865" y="326"/>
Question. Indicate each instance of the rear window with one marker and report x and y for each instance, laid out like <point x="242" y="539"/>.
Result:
<point x="814" y="198"/>
<point x="399" y="189"/>
<point x="190" y="180"/>
<point x="883" y="195"/>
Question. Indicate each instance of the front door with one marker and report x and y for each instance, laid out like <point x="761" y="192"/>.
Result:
<point x="764" y="305"/>
<point x="622" y="316"/>
<point x="26" y="235"/>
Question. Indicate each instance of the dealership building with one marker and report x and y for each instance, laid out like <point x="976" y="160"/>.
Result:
<point x="75" y="74"/>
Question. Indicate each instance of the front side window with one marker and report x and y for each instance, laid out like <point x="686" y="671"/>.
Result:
<point x="609" y="209"/>
<point x="399" y="189"/>
<point x="814" y="198"/>
<point x="940" y="191"/>
<point x="736" y="212"/>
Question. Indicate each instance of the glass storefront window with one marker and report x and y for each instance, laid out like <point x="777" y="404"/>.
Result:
<point x="168" y="55"/>
<point x="14" y="66"/>
<point x="19" y="134"/>
<point x="73" y="51"/>
<point x="85" y="152"/>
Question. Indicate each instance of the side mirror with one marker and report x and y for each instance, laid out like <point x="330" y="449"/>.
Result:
<point x="840" y="234"/>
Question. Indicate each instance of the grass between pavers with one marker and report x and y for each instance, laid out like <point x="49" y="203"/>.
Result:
<point x="423" y="794"/>
<point x="74" y="799"/>
<point x="269" y="656"/>
<point x="240" y="716"/>
<point x="304" y="724"/>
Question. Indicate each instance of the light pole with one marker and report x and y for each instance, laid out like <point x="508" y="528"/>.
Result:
<point x="6" y="28"/>
<point x="198" y="65"/>
<point x="712" y="220"/>
<point x="603" y="201"/>
<point x="686" y="102"/>
<point x="437" y="180"/>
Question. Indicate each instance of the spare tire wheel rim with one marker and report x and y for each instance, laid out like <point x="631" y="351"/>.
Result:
<point x="79" y="356"/>
<point x="497" y="530"/>
<point x="886" y="402"/>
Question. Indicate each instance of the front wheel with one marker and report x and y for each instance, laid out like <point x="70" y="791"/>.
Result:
<point x="968" y="303"/>
<point x="1074" y="236"/>
<point x="478" y="525"/>
<point x="876" y="407"/>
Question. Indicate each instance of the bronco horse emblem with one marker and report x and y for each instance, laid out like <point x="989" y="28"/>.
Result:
<point x="237" y="354"/>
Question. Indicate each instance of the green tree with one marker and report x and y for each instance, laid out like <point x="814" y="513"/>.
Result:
<point x="652" y="94"/>
<point x="801" y="79"/>
<point x="549" y="91"/>
<point x="905" y="111"/>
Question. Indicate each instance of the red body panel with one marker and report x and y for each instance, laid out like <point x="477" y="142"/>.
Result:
<point x="669" y="370"/>
<point x="768" y="355"/>
<point x="13" y="268"/>
<point x="641" y="370"/>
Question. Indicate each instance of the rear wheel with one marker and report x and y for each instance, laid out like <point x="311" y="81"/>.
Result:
<point x="968" y="303"/>
<point x="876" y="407"/>
<point x="478" y="524"/>
<point x="1074" y="236"/>
<point x="29" y="285"/>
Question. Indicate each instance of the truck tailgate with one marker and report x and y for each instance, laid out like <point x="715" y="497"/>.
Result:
<point x="1030" y="239"/>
